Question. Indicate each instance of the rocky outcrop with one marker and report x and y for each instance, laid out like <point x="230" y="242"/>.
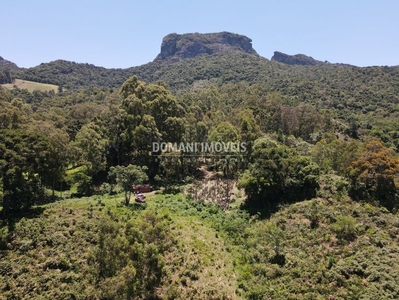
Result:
<point x="298" y="59"/>
<point x="176" y="47"/>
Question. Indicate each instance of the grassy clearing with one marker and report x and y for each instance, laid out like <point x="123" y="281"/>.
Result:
<point x="200" y="264"/>
<point x="31" y="86"/>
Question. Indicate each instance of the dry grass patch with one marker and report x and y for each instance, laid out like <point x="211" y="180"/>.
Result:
<point x="31" y="86"/>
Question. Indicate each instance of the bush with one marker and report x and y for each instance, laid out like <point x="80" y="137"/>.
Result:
<point x="314" y="215"/>
<point x="130" y="261"/>
<point x="85" y="184"/>
<point x="345" y="228"/>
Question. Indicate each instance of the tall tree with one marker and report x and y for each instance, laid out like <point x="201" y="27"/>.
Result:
<point x="55" y="153"/>
<point x="278" y="174"/>
<point x="335" y="155"/>
<point x="373" y="174"/>
<point x="150" y="113"/>
<point x="249" y="132"/>
<point x="127" y="176"/>
<point x="92" y="144"/>
<point x="23" y="155"/>
<point x="224" y="132"/>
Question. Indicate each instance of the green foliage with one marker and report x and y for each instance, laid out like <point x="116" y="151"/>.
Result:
<point x="72" y="75"/>
<point x="335" y="155"/>
<point x="5" y="76"/>
<point x="171" y="165"/>
<point x="130" y="262"/>
<point x="314" y="215"/>
<point x="348" y="93"/>
<point x="275" y="237"/>
<point x="85" y="186"/>
<point x="249" y="132"/>
<point x="224" y="132"/>
<point x="345" y="228"/>
<point x="372" y="174"/>
<point x="198" y="249"/>
<point x="185" y="249"/>
<point x="278" y="174"/>
<point x="333" y="187"/>
<point x="91" y="144"/>
<point x="27" y="159"/>
<point x="150" y="113"/>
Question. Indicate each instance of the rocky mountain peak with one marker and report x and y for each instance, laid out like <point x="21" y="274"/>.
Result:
<point x="176" y="47"/>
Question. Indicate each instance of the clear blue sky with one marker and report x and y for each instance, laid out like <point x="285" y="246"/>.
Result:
<point x="126" y="33"/>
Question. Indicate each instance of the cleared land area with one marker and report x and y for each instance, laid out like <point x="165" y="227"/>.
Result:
<point x="31" y="86"/>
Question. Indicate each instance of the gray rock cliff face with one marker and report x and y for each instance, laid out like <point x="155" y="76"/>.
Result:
<point x="176" y="47"/>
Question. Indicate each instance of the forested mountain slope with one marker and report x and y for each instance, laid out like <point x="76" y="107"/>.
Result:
<point x="196" y="60"/>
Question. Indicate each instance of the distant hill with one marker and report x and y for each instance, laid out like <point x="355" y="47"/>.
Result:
<point x="298" y="59"/>
<point x="195" y="61"/>
<point x="73" y="75"/>
<point x="175" y="49"/>
<point x="301" y="59"/>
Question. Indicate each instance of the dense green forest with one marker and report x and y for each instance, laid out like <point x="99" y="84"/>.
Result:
<point x="307" y="211"/>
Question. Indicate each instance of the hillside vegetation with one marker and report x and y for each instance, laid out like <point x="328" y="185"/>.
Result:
<point x="311" y="250"/>
<point x="364" y="97"/>
<point x="291" y="194"/>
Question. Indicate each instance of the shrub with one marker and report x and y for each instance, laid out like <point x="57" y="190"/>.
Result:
<point x="314" y="215"/>
<point x="85" y="184"/>
<point x="345" y="228"/>
<point x="130" y="262"/>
